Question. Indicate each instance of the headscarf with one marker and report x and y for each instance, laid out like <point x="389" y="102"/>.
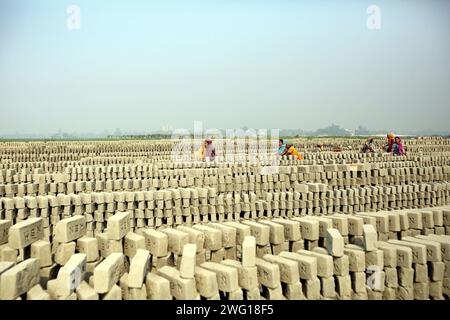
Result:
<point x="398" y="147"/>
<point x="390" y="141"/>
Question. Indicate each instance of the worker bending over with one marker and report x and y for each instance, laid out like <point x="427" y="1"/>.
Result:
<point x="285" y="149"/>
<point x="368" y="146"/>
<point x="389" y="142"/>
<point x="207" y="151"/>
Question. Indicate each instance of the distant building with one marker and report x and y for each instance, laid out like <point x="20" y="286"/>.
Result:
<point x="350" y="132"/>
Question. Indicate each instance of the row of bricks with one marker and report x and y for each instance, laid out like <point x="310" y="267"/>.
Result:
<point x="280" y="182"/>
<point x="269" y="274"/>
<point x="282" y="173"/>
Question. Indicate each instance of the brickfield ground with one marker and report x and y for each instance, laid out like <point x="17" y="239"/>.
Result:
<point x="113" y="220"/>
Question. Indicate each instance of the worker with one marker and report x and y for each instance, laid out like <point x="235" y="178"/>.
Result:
<point x="201" y="151"/>
<point x="207" y="151"/>
<point x="368" y="146"/>
<point x="285" y="149"/>
<point x="397" y="148"/>
<point x="389" y="142"/>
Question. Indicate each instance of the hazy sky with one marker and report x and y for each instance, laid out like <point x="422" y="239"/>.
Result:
<point x="139" y="65"/>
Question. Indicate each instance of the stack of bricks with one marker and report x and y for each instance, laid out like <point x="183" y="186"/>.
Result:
<point x="114" y="220"/>
<point x="232" y="178"/>
<point x="97" y="207"/>
<point x="184" y="206"/>
<point x="232" y="260"/>
<point x="307" y="269"/>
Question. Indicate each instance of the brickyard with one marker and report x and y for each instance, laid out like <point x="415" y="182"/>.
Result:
<point x="122" y="220"/>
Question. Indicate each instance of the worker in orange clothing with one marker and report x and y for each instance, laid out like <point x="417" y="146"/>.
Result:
<point x="285" y="149"/>
<point x="389" y="142"/>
